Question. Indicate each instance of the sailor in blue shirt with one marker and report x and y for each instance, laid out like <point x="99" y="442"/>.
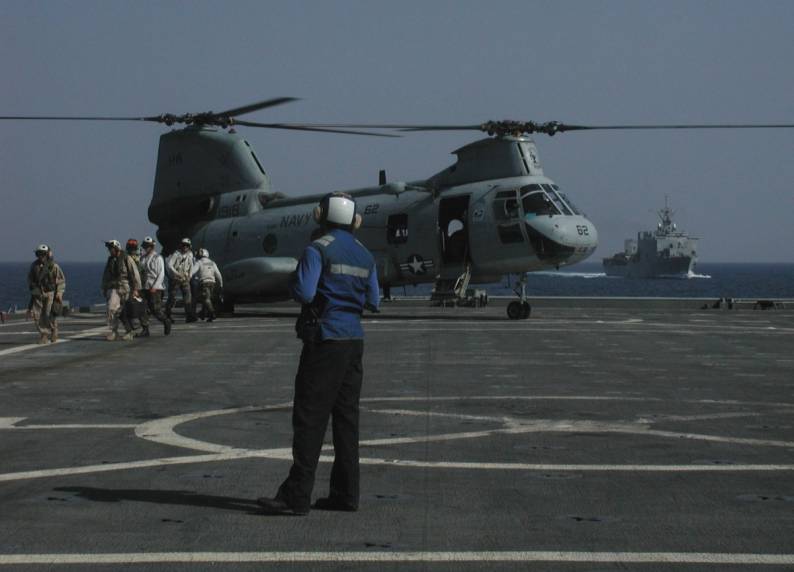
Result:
<point x="335" y="281"/>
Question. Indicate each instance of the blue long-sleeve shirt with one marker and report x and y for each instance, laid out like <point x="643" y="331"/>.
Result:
<point x="341" y="271"/>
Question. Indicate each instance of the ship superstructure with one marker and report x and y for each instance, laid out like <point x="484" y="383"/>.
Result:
<point x="665" y="252"/>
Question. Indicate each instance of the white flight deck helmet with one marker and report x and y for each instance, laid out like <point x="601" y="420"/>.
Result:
<point x="42" y="248"/>
<point x="338" y="209"/>
<point x="147" y="241"/>
<point x="203" y="253"/>
<point x="113" y="244"/>
<point x="185" y="242"/>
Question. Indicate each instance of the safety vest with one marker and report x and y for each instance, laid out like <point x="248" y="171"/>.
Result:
<point x="342" y="289"/>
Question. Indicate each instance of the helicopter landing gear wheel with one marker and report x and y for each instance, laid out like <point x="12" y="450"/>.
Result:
<point x="517" y="310"/>
<point x="514" y="310"/>
<point x="520" y="309"/>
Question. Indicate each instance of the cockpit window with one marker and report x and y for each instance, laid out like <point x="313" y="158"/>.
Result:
<point x="505" y="206"/>
<point x="510" y="233"/>
<point x="574" y="208"/>
<point x="507" y="214"/>
<point x="538" y="203"/>
<point x="561" y="206"/>
<point x="511" y="208"/>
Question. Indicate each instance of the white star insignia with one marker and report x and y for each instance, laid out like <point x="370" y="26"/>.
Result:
<point x="417" y="265"/>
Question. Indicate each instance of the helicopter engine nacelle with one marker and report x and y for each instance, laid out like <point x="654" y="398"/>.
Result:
<point x="491" y="159"/>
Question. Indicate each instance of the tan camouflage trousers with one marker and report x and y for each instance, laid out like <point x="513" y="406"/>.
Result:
<point x="184" y="287"/>
<point x="41" y="312"/>
<point x="116" y="298"/>
<point x="154" y="306"/>
<point x="207" y="289"/>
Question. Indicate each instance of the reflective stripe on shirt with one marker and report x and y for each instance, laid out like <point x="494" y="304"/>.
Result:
<point x="325" y="240"/>
<point x="348" y="270"/>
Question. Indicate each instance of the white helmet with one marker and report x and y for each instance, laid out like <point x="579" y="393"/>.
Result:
<point x="204" y="253"/>
<point x="42" y="248"/>
<point x="113" y="244"/>
<point x="185" y="242"/>
<point x="337" y="208"/>
<point x="147" y="241"/>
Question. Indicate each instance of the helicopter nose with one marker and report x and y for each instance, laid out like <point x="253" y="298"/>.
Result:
<point x="562" y="239"/>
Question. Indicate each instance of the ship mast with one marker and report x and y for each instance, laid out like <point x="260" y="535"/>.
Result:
<point x="667" y="226"/>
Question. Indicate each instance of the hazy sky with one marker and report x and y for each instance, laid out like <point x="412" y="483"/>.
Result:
<point x="73" y="185"/>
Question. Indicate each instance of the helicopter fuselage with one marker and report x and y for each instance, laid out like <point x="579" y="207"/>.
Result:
<point x="492" y="213"/>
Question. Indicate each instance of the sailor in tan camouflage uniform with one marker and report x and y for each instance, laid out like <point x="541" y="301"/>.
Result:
<point x="208" y="277"/>
<point x="120" y="279"/>
<point x="133" y="251"/>
<point x="47" y="284"/>
<point x="152" y="278"/>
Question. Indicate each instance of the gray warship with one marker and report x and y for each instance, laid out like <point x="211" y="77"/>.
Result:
<point x="665" y="252"/>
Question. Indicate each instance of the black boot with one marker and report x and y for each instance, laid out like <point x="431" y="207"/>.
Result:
<point x="167" y="324"/>
<point x="144" y="333"/>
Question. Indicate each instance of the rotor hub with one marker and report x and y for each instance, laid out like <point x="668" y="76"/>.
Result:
<point x="518" y="128"/>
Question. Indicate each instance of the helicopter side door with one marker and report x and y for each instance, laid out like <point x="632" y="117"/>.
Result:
<point x="453" y="216"/>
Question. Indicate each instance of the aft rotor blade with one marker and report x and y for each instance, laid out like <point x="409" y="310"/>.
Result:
<point x="257" y="106"/>
<point x="301" y="127"/>
<point x="552" y="127"/>
<point x="564" y="127"/>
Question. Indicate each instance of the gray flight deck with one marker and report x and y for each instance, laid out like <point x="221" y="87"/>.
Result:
<point x="619" y="436"/>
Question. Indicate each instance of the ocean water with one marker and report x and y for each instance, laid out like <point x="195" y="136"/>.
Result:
<point x="734" y="280"/>
<point x="728" y="280"/>
<point x="587" y="279"/>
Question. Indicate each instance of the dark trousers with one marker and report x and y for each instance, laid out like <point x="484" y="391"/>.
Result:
<point x="154" y="306"/>
<point x="328" y="383"/>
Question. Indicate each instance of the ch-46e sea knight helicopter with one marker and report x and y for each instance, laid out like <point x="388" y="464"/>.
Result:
<point x="492" y="213"/>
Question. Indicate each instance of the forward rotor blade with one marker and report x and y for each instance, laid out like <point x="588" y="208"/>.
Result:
<point x="63" y="118"/>
<point x="301" y="127"/>
<point x="440" y="128"/>
<point x="401" y="126"/>
<point x="256" y="106"/>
